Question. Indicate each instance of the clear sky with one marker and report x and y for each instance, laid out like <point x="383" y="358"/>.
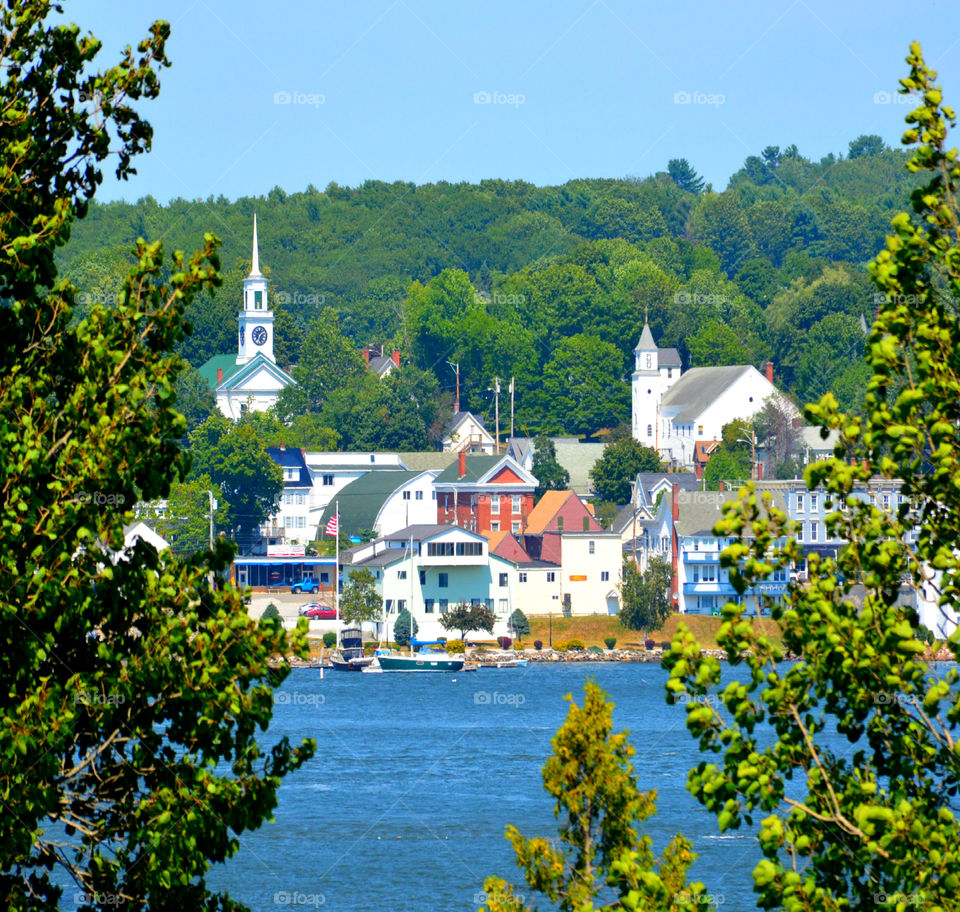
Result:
<point x="294" y="93"/>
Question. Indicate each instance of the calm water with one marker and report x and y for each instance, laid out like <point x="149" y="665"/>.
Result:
<point x="416" y="777"/>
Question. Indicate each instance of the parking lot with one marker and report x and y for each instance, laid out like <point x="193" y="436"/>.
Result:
<point x="288" y="605"/>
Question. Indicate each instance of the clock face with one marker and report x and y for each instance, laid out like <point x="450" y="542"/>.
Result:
<point x="259" y="335"/>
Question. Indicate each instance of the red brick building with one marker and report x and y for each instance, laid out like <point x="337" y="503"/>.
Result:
<point x="485" y="493"/>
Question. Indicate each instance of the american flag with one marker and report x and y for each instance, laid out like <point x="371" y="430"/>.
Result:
<point x="332" y="526"/>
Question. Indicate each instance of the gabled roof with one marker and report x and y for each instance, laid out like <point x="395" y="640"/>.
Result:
<point x="578" y="458"/>
<point x="700" y="510"/>
<point x="699" y="387"/>
<point x="668" y="357"/>
<point x="259" y="362"/>
<point x="543" y="515"/>
<point x="480" y="468"/>
<point x="226" y="363"/>
<point x="291" y="458"/>
<point x="361" y="500"/>
<point x="382" y="365"/>
<point x="422" y="462"/>
<point x="507" y="546"/>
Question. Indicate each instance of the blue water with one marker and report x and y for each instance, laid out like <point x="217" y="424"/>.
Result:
<point x="416" y="776"/>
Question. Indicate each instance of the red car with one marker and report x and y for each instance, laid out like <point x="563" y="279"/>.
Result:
<point x="318" y="612"/>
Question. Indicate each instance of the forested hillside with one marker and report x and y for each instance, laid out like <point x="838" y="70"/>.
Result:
<point x="546" y="284"/>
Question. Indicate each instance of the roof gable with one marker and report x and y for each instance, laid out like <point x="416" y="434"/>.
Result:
<point x="258" y="364"/>
<point x="700" y="387"/>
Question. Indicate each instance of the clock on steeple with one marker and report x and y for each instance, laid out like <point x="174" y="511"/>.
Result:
<point x="256" y="312"/>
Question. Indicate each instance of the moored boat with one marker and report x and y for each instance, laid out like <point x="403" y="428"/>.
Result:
<point x="350" y="657"/>
<point x="425" y="660"/>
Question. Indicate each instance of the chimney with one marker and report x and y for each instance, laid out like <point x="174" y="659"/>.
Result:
<point x="769" y="372"/>
<point x="366" y="355"/>
<point x="759" y="471"/>
<point x="283" y="447"/>
<point x="721" y="486"/>
<point x="219" y="375"/>
<point x="396" y="357"/>
<point x="675" y="497"/>
<point x="461" y="464"/>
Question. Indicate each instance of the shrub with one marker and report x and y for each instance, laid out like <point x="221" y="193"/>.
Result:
<point x="270" y="612"/>
<point x="650" y="644"/>
<point x="575" y="643"/>
<point x="609" y="642"/>
<point x="369" y="649"/>
<point x="538" y="645"/>
<point x="329" y="639"/>
<point x="518" y="646"/>
<point x="505" y="642"/>
<point x="519" y="624"/>
<point x="560" y="646"/>
<point x="455" y="647"/>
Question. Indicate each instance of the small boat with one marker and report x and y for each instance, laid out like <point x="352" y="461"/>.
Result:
<point x="350" y="657"/>
<point x="504" y="663"/>
<point x="425" y="660"/>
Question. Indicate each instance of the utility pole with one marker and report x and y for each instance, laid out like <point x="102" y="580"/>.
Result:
<point x="511" y="407"/>
<point x="213" y="506"/>
<point x="496" y="410"/>
<point x="752" y="440"/>
<point x="456" y="401"/>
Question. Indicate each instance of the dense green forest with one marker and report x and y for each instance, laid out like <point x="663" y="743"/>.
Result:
<point x="549" y="285"/>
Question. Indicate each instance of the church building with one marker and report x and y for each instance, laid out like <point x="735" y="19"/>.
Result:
<point x="252" y="380"/>
<point x="675" y="410"/>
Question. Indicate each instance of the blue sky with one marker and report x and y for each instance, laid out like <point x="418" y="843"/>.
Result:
<point x="294" y="93"/>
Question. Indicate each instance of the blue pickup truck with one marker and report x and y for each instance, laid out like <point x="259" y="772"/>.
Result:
<point x="307" y="584"/>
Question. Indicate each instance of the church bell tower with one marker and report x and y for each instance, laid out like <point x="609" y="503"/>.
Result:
<point x="256" y="318"/>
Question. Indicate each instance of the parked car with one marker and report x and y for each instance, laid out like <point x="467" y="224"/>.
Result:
<point x="307" y="584"/>
<point x="318" y="612"/>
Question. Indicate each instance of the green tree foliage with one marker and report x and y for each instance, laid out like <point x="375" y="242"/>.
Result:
<point x="866" y="145"/>
<point x="645" y="598"/>
<point x="837" y="830"/>
<point x="519" y="624"/>
<point x="777" y="432"/>
<point x="402" y="628"/>
<point x="616" y="470"/>
<point x="271" y="612"/>
<point x="600" y="861"/>
<point x="583" y="390"/>
<point x="359" y="600"/>
<point x="716" y="343"/>
<point x="466" y="618"/>
<point x="683" y="175"/>
<point x="135" y="697"/>
<point x="185" y="520"/>
<point x="550" y="475"/>
<point x="195" y="400"/>
<point x="248" y="479"/>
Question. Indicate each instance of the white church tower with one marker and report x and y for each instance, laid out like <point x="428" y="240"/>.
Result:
<point x="256" y="318"/>
<point x="655" y="371"/>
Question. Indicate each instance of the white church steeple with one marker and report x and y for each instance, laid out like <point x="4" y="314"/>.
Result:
<point x="255" y="318"/>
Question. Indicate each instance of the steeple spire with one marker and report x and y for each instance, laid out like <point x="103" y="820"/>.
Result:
<point x="255" y="257"/>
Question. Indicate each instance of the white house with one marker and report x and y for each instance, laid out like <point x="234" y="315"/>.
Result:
<point x="330" y="473"/>
<point x="466" y="434"/>
<point x="252" y="380"/>
<point x="674" y="410"/>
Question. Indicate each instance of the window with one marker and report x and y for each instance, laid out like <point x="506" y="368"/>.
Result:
<point x="551" y="576"/>
<point x="885" y="500"/>
<point x="258" y="300"/>
<point x="301" y="522"/>
<point x="649" y="430"/>
<point x="428" y="606"/>
<point x="593" y="547"/>
<point x="401" y="574"/>
<point x="495" y="526"/>
<point x="522" y="577"/>
<point x="814" y="503"/>
<point x="389" y="605"/>
<point x="443" y="606"/>
<point x="814" y="531"/>
<point x="604" y="576"/>
<point x="503" y="579"/>
<point x="503" y="607"/>
<point x="401" y="605"/>
<point x="443" y="581"/>
<point x="559" y="523"/>
<point x="700" y="429"/>
<point x="494" y="503"/>
<point x="419" y="495"/>
<point x="517" y="503"/>
<point x="406" y="495"/>
<point x="327" y="480"/>
<point x="696" y="544"/>
<point x="423" y="577"/>
<point x="799" y="503"/>
<point x="516" y="526"/>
